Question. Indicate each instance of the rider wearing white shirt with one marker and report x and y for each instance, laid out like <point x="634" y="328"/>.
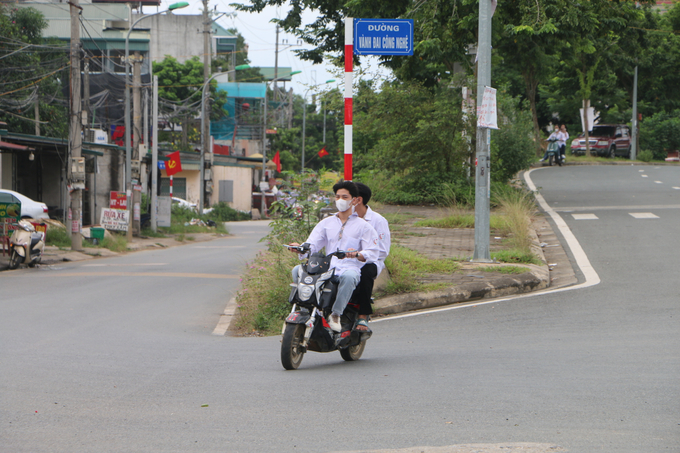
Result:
<point x="369" y="272"/>
<point x="344" y="231"/>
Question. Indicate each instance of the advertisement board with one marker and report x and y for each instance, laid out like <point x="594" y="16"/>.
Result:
<point x="118" y="200"/>
<point x="114" y="219"/>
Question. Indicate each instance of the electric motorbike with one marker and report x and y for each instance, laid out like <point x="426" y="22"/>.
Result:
<point x="554" y="153"/>
<point x="306" y="328"/>
<point x="26" y="245"/>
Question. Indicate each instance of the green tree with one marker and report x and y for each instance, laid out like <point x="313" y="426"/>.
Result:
<point x="31" y="69"/>
<point x="179" y="89"/>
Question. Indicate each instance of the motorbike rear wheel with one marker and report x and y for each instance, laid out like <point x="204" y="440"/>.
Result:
<point x="353" y="353"/>
<point x="550" y="160"/>
<point x="291" y="355"/>
<point x="14" y="260"/>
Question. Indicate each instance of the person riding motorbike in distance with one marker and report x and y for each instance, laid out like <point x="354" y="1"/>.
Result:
<point x="370" y="271"/>
<point x="344" y="230"/>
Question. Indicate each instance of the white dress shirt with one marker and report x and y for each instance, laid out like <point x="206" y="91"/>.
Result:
<point x="357" y="234"/>
<point x="380" y="225"/>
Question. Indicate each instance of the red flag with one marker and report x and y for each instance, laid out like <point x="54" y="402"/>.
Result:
<point x="323" y="152"/>
<point x="277" y="160"/>
<point x="173" y="164"/>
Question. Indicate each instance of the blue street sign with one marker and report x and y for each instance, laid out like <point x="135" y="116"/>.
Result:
<point x="383" y="36"/>
<point x="161" y="165"/>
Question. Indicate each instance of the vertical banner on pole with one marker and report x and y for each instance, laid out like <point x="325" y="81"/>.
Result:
<point x="349" y="61"/>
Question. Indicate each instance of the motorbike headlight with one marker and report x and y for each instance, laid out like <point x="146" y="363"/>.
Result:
<point x="305" y="291"/>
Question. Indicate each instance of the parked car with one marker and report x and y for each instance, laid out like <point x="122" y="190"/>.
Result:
<point x="608" y="140"/>
<point x="183" y="203"/>
<point x="29" y="208"/>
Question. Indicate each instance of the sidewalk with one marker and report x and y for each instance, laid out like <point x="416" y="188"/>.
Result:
<point x="470" y="283"/>
<point x="54" y="255"/>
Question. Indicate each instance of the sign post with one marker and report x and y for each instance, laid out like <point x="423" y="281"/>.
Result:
<point x="370" y="37"/>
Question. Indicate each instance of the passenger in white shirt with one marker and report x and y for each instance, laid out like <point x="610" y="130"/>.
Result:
<point x="344" y="231"/>
<point x="370" y="271"/>
<point x="562" y="138"/>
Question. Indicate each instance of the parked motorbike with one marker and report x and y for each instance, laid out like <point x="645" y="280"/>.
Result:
<point x="554" y="153"/>
<point x="26" y="245"/>
<point x="306" y="328"/>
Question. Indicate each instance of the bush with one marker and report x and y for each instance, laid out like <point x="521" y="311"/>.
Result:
<point x="222" y="212"/>
<point x="660" y="133"/>
<point x="645" y="156"/>
<point x="512" y="146"/>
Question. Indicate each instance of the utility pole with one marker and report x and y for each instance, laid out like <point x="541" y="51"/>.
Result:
<point x="482" y="178"/>
<point x="276" y="65"/>
<point x="86" y="135"/>
<point x="136" y="138"/>
<point x="634" y="122"/>
<point x="75" y="166"/>
<point x="37" y="112"/>
<point x="204" y="113"/>
<point x="154" y="158"/>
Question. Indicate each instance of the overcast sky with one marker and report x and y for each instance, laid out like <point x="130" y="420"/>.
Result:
<point x="260" y="35"/>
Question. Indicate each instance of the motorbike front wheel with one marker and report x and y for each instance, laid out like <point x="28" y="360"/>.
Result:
<point x="291" y="354"/>
<point x="353" y="352"/>
<point x="550" y="160"/>
<point x="14" y="260"/>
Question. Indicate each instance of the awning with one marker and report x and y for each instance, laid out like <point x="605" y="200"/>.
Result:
<point x="13" y="146"/>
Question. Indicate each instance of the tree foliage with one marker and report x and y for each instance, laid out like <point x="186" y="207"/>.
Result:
<point x="31" y="71"/>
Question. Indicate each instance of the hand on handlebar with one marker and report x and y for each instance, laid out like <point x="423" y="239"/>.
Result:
<point x="351" y="253"/>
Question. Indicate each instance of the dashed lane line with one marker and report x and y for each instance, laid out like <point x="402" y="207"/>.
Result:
<point x="584" y="217"/>
<point x="616" y="208"/>
<point x="643" y="215"/>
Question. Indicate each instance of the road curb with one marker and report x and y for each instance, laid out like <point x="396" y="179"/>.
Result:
<point x="536" y="279"/>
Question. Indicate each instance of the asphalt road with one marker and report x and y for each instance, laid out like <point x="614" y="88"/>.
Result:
<point x="111" y="361"/>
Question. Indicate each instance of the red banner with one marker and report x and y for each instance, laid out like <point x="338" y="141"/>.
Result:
<point x="118" y="200"/>
<point x="173" y="164"/>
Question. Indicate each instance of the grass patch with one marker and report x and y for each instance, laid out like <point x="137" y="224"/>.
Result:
<point x="179" y="237"/>
<point x="115" y="243"/>
<point x="407" y="266"/>
<point x="516" y="256"/>
<point x="58" y="237"/>
<point x="190" y="238"/>
<point x="504" y="269"/>
<point x="263" y="299"/>
<point x="396" y="218"/>
<point x="148" y="232"/>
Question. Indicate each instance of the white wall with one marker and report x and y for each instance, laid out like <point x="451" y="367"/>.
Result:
<point x="243" y="190"/>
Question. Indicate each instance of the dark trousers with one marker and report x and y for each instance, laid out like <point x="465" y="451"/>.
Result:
<point x="365" y="288"/>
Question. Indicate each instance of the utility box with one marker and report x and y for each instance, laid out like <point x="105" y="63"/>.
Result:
<point x="78" y="169"/>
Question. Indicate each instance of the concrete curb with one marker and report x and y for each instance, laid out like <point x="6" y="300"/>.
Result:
<point x="538" y="278"/>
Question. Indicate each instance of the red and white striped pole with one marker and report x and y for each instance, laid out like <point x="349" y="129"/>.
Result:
<point x="170" y="186"/>
<point x="349" y="60"/>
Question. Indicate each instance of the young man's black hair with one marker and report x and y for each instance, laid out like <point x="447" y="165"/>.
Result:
<point x="364" y="192"/>
<point x="349" y="185"/>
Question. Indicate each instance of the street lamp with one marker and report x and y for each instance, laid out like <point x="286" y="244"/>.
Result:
<point x="264" y="138"/>
<point x="304" y="118"/>
<point x="128" y="157"/>
<point x="204" y="139"/>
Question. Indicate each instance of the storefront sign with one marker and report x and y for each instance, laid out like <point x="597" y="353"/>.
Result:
<point x="118" y="200"/>
<point x="114" y="219"/>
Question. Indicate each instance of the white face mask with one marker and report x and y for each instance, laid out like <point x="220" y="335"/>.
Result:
<point x="342" y="205"/>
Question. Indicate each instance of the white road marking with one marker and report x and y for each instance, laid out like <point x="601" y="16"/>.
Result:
<point x="584" y="217"/>
<point x="582" y="261"/>
<point x="641" y="171"/>
<point x="643" y="215"/>
<point x="616" y="208"/>
<point x="225" y="318"/>
<point x="676" y="188"/>
<point x="658" y="182"/>
<point x="645" y="176"/>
